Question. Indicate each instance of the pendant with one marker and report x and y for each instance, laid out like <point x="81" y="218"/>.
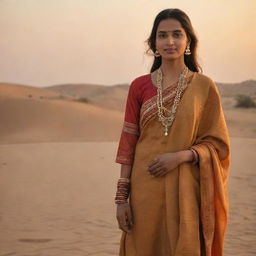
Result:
<point x="166" y="131"/>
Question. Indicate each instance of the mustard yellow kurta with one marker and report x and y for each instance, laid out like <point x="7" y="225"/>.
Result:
<point x="183" y="213"/>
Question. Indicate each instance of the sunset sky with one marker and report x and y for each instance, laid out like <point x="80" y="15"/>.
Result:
<point x="47" y="42"/>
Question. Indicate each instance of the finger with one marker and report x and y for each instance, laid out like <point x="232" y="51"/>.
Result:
<point x="121" y="226"/>
<point x="155" y="160"/>
<point x="153" y="171"/>
<point x="162" y="172"/>
<point x="154" y="166"/>
<point x="156" y="169"/>
<point x="128" y="223"/>
<point x="124" y="223"/>
<point x="120" y="220"/>
<point x="157" y="172"/>
<point x="126" y="228"/>
<point x="129" y="216"/>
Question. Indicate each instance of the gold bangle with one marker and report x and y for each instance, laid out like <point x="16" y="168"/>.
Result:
<point x="124" y="179"/>
<point x="194" y="161"/>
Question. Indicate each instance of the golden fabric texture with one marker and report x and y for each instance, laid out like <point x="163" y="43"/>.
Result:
<point x="183" y="213"/>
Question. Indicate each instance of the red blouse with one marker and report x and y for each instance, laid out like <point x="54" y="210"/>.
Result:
<point x="140" y="90"/>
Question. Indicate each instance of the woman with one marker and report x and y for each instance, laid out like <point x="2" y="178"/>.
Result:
<point x="174" y="152"/>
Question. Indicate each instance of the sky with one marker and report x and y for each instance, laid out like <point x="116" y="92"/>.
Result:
<point x="49" y="42"/>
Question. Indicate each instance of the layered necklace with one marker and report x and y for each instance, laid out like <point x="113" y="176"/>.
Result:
<point x="168" y="119"/>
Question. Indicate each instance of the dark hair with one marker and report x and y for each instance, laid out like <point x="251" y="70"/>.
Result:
<point x="190" y="60"/>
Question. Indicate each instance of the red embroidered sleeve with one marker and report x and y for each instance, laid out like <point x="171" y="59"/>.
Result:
<point x="130" y="131"/>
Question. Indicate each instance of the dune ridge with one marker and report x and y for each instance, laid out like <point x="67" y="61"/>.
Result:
<point x="86" y="113"/>
<point x="35" y="119"/>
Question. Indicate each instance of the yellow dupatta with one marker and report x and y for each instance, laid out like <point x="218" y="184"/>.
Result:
<point x="213" y="146"/>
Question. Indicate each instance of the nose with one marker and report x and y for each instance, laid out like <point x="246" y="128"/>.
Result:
<point x="170" y="40"/>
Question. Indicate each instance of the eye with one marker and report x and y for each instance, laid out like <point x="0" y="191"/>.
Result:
<point x="177" y="34"/>
<point x="161" y="35"/>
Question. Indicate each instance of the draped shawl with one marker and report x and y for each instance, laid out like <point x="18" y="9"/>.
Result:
<point x="199" y="189"/>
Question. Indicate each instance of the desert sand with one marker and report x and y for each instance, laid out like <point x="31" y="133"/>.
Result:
<point x="58" y="175"/>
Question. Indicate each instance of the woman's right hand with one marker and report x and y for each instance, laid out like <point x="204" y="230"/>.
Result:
<point x="124" y="217"/>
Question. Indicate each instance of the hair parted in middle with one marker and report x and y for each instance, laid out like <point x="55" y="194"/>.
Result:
<point x="177" y="14"/>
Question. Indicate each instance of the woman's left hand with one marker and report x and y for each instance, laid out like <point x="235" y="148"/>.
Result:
<point x="164" y="163"/>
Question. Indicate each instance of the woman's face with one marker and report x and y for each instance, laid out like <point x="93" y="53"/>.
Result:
<point x="171" y="39"/>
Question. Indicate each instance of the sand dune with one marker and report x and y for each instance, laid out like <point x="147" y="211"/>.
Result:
<point x="111" y="97"/>
<point x="30" y="114"/>
<point x="57" y="199"/>
<point x="35" y="119"/>
<point x="24" y="91"/>
<point x="231" y="89"/>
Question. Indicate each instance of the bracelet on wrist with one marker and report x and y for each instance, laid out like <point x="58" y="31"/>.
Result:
<point x="123" y="190"/>
<point x="195" y="158"/>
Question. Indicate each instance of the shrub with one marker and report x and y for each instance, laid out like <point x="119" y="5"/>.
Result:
<point x="83" y="100"/>
<point x="244" y="101"/>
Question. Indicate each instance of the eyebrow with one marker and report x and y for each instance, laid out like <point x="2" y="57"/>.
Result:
<point x="164" y="31"/>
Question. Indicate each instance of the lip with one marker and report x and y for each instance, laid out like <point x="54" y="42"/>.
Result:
<point x="170" y="50"/>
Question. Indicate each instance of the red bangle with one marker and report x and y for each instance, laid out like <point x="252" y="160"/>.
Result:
<point x="123" y="190"/>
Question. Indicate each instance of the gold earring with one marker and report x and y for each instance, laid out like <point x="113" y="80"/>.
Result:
<point x="188" y="52"/>
<point x="157" y="54"/>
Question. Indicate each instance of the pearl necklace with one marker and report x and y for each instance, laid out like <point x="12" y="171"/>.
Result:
<point x="168" y="120"/>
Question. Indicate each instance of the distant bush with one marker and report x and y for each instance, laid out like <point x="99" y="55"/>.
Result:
<point x="82" y="99"/>
<point x="244" y="101"/>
